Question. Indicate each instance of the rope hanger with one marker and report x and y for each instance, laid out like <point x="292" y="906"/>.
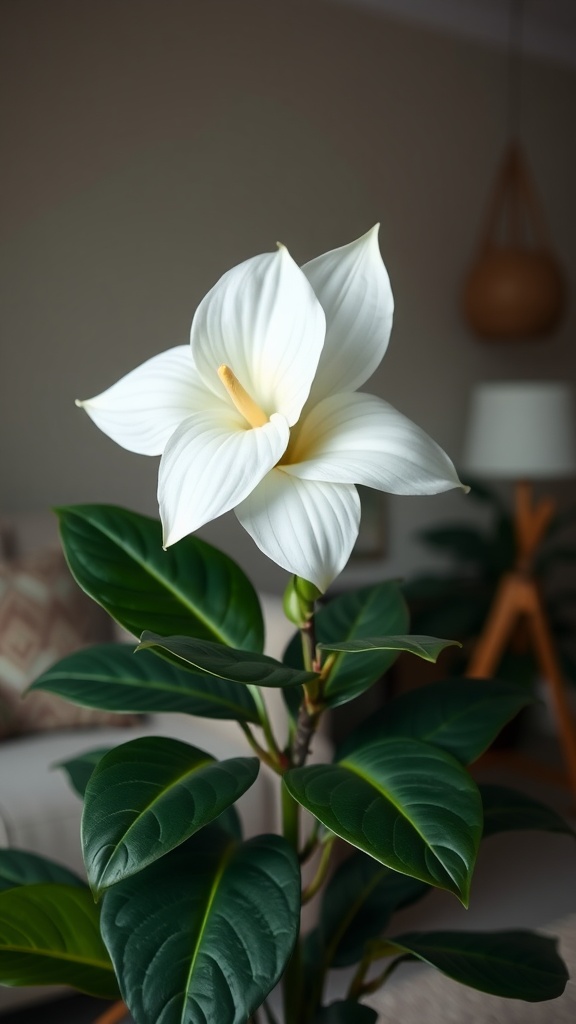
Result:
<point x="515" y="288"/>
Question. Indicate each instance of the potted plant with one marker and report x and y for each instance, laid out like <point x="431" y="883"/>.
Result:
<point x="184" y="919"/>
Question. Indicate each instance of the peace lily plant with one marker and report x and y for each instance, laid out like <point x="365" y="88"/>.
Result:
<point x="184" y="919"/>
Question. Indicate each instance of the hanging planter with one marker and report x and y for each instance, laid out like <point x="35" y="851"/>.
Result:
<point x="515" y="288"/>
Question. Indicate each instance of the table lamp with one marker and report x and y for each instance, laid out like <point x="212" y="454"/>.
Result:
<point x="524" y="432"/>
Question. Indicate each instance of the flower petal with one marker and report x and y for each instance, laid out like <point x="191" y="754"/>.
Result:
<point x="306" y="527"/>
<point x="353" y="287"/>
<point x="143" y="409"/>
<point x="262" y="320"/>
<point x="210" y="463"/>
<point x="358" y="438"/>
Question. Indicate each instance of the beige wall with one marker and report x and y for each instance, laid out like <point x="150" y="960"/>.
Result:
<point x="148" y="145"/>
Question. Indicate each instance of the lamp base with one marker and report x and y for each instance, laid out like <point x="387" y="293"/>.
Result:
<point x="518" y="597"/>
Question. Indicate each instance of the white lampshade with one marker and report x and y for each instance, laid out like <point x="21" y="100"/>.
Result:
<point x="522" y="430"/>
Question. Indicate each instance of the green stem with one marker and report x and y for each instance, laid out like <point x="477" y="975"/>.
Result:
<point x="308" y="717"/>
<point x="265" y="721"/>
<point x="321" y="871"/>
<point x="290" y="819"/>
<point x="355" y="987"/>
<point x="311" y="843"/>
<point x="264" y="756"/>
<point x="308" y="637"/>
<point x="359" y="987"/>
<point x="292" y="979"/>
<point x="310" y="711"/>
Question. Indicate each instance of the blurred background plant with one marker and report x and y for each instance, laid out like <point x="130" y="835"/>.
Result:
<point x="455" y="602"/>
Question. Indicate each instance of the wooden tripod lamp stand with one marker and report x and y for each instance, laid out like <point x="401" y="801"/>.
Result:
<point x="524" y="432"/>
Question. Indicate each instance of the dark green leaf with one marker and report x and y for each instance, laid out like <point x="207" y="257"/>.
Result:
<point x="465" y="543"/>
<point x="506" y="810"/>
<point x="352" y="616"/>
<point x="80" y="768"/>
<point x="481" y="492"/>
<point x="568" y="662"/>
<point x="227" y="663"/>
<point x="426" y="647"/>
<point x="49" y="935"/>
<point x="357" y="904"/>
<point x="229" y="822"/>
<point x="406" y="803"/>
<point x="19" y="867"/>
<point x="462" y="716"/>
<point x="313" y="975"/>
<point x="147" y="796"/>
<point x="448" y="606"/>
<point x="237" y="909"/>
<point x="519" y="668"/>
<point x="346" y="1012"/>
<point x="513" y="964"/>
<point x="192" y="588"/>
<point x="501" y="556"/>
<point x="562" y="602"/>
<point x="113" y="678"/>
<point x="556" y="557"/>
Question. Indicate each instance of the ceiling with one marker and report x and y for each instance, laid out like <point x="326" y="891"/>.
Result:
<point x="548" y="26"/>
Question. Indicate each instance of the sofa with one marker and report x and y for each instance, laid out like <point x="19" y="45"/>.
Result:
<point x="39" y="810"/>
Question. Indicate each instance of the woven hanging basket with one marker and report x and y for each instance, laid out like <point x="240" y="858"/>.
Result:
<point x="515" y="289"/>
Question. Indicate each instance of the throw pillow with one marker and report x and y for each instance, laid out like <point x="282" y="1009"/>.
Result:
<point x="43" y="617"/>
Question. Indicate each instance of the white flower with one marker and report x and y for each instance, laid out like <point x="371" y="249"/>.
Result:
<point x="261" y="412"/>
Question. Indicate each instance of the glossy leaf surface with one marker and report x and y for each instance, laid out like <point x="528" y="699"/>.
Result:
<point x="226" y="663"/>
<point x="216" y="921"/>
<point x="462" y="716"/>
<point x="192" y="588"/>
<point x="346" y="1012"/>
<point x="406" y="803"/>
<point x="49" y="935"/>
<point x="464" y="542"/>
<point x="147" y="796"/>
<point x="20" y="867"/>
<point x="513" y="964"/>
<point x="426" y="647"/>
<point x="357" y="904"/>
<point x="353" y="616"/>
<point x="508" y="810"/>
<point x="113" y="678"/>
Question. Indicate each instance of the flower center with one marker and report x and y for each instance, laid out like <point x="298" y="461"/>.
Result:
<point x="242" y="400"/>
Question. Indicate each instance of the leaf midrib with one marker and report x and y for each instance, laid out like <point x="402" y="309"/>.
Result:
<point x="159" y="687"/>
<point x="341" y="655"/>
<point x="55" y="955"/>
<point x="150" y="803"/>
<point x="470" y="954"/>
<point x="248" y="659"/>
<point x="387" y="796"/>
<point x="145" y="566"/>
<point x="448" y="724"/>
<point x="350" y="766"/>
<point x="226" y="857"/>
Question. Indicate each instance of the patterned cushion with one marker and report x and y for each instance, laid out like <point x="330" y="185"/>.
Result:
<point x="44" y="616"/>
